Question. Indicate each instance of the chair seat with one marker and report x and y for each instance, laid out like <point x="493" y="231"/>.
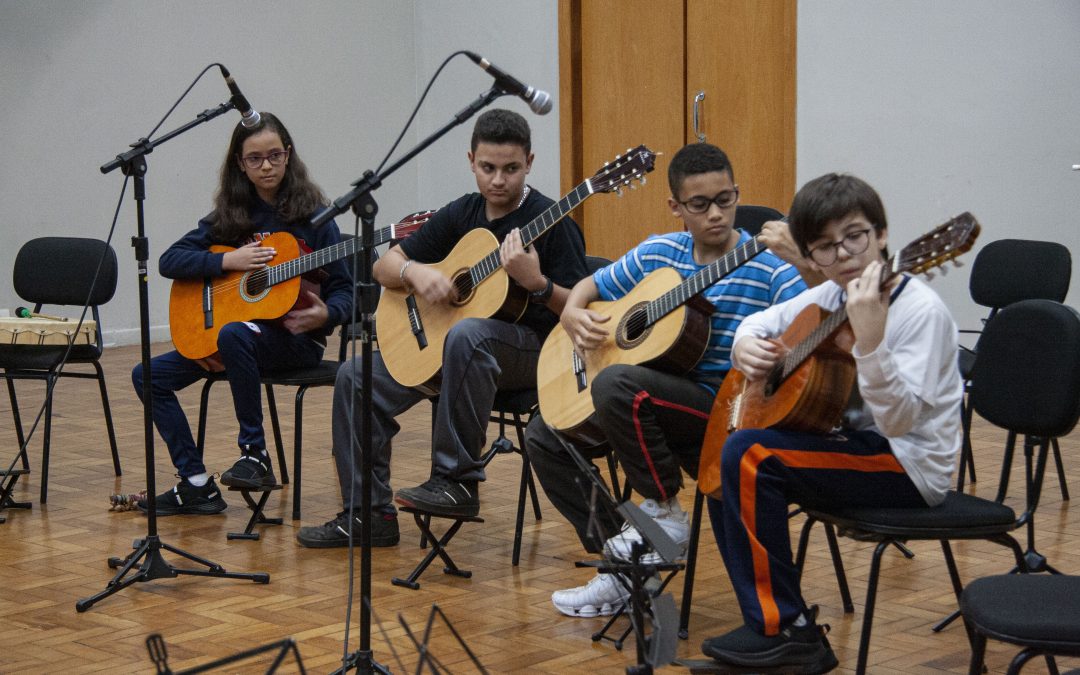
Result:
<point x="43" y="357"/>
<point x="1026" y="609"/>
<point x="520" y="401"/>
<point x="960" y="516"/>
<point x="325" y="371"/>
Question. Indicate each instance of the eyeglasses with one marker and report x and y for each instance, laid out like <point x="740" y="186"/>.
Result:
<point x="724" y="200"/>
<point x="853" y="242"/>
<point x="256" y="161"/>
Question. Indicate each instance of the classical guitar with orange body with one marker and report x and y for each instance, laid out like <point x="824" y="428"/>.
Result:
<point x="198" y="308"/>
<point x="809" y="387"/>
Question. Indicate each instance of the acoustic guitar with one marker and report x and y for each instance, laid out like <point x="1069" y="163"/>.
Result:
<point x="663" y="322"/>
<point x="198" y="308"/>
<point x="412" y="331"/>
<point x="809" y="387"/>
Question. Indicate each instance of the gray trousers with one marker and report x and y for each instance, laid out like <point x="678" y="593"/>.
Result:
<point x="480" y="356"/>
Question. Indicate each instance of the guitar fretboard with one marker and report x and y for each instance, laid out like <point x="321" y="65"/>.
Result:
<point x="713" y="272"/>
<point x="531" y="232"/>
<point x="324" y="256"/>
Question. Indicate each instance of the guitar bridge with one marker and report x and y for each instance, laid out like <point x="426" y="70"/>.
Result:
<point x="415" y="324"/>
<point x="208" y="304"/>
<point x="579" y="372"/>
<point x="734" y="412"/>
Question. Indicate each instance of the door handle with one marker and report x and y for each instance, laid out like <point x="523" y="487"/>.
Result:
<point x="697" y="119"/>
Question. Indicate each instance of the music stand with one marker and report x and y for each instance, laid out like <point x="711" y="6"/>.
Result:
<point x="658" y="648"/>
<point x="147" y="553"/>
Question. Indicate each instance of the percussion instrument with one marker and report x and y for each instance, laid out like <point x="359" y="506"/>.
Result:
<point x="39" y="331"/>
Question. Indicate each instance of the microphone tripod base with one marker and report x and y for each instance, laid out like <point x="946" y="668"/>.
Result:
<point x="361" y="662"/>
<point x="151" y="565"/>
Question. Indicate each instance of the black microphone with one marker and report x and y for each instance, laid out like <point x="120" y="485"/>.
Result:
<point x="538" y="99"/>
<point x="249" y="117"/>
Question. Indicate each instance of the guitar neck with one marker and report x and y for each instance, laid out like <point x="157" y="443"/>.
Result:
<point x="324" y="256"/>
<point x="713" y="272"/>
<point x="531" y="232"/>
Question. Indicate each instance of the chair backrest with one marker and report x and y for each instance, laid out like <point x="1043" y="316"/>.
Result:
<point x="59" y="271"/>
<point x="595" y="262"/>
<point x="750" y="218"/>
<point x="1011" y="270"/>
<point x="1026" y="376"/>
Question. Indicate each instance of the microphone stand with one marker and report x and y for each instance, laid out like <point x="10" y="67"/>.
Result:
<point x="365" y="207"/>
<point x="148" y="550"/>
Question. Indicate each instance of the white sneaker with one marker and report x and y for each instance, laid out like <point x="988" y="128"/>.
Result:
<point x="672" y="519"/>
<point x="602" y="596"/>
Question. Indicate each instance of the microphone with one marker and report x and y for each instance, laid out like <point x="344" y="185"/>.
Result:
<point x="249" y="117"/>
<point x="24" y="313"/>
<point x="538" y="99"/>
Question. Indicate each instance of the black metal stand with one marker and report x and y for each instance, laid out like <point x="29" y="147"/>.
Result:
<point x="147" y="554"/>
<point x="155" y="645"/>
<point x="360" y="200"/>
<point x="257" y="517"/>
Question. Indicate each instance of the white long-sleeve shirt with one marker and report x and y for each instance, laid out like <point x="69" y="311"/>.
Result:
<point x="910" y="385"/>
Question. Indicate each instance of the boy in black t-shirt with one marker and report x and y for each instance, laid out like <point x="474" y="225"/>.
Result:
<point x="479" y="355"/>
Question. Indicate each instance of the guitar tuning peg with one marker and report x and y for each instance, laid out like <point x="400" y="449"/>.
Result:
<point x="929" y="275"/>
<point x="957" y="262"/>
<point x="618" y="191"/>
<point x="632" y="185"/>
<point x="642" y="180"/>
<point x="944" y="271"/>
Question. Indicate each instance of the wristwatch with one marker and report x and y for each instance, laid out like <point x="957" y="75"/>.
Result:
<point x="544" y="294"/>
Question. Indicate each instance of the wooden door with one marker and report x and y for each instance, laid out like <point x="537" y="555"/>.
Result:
<point x="629" y="71"/>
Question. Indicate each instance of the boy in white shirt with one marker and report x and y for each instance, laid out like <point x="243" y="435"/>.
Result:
<point x="897" y="444"/>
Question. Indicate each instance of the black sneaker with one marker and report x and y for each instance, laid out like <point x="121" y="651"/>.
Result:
<point x="441" y="496"/>
<point x="384" y="531"/>
<point x="252" y="471"/>
<point x="186" y="498"/>
<point x="801" y="650"/>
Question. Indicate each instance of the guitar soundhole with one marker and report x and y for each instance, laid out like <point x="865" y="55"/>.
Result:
<point x="634" y="327"/>
<point x="254" y="286"/>
<point x="464" y="287"/>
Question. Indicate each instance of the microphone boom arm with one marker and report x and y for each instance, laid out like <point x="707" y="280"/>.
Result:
<point x="144" y="146"/>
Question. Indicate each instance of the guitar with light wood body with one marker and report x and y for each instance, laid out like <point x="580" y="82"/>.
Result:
<point x="412" y="331"/>
<point x="809" y="387"/>
<point x="663" y="322"/>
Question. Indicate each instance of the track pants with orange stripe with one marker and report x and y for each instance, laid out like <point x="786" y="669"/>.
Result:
<point x="765" y="470"/>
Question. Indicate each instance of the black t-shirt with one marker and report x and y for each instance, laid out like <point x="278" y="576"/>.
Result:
<point x="561" y="249"/>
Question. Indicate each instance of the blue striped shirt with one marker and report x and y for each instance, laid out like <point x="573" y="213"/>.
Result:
<point x="763" y="281"/>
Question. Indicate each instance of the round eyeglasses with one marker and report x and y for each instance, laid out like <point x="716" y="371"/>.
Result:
<point x="256" y="161"/>
<point x="724" y="200"/>
<point x="853" y="242"/>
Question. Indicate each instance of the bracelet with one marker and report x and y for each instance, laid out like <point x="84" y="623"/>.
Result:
<point x="401" y="274"/>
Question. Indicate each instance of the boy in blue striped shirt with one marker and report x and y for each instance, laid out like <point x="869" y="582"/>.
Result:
<point x="655" y="421"/>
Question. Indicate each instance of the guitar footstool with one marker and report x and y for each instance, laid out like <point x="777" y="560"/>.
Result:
<point x="257" y="517"/>
<point x="438" y="545"/>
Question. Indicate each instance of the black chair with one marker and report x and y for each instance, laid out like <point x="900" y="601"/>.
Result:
<point x="751" y="218"/>
<point x="1039" y="613"/>
<point x="1004" y="272"/>
<point x="323" y="374"/>
<point x="1037" y="396"/>
<point x="59" y="271"/>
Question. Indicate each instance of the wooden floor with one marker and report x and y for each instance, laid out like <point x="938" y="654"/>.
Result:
<point x="56" y="554"/>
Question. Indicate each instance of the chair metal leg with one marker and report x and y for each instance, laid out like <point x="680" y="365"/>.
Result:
<point x="691" y="565"/>
<point x="1020" y="659"/>
<point x="978" y="653"/>
<point x="50" y="383"/>
<point x="868" y="612"/>
<point x="838" y="568"/>
<point x="298" y="448"/>
<point x="275" y="423"/>
<point x="1060" y="469"/>
<point x="18" y="423"/>
<point x="204" y="399"/>
<point x="967" y="455"/>
<point x="108" y="417"/>
<point x="613" y="468"/>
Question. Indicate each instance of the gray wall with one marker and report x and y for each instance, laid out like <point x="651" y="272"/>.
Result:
<point x="80" y="80"/>
<point x="944" y="107"/>
<point x="967" y="105"/>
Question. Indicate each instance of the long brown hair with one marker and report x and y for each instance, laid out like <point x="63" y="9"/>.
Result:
<point x="236" y="197"/>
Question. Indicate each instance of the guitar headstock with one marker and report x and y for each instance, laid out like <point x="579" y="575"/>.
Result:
<point x="623" y="170"/>
<point x="410" y="223"/>
<point x="937" y="247"/>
